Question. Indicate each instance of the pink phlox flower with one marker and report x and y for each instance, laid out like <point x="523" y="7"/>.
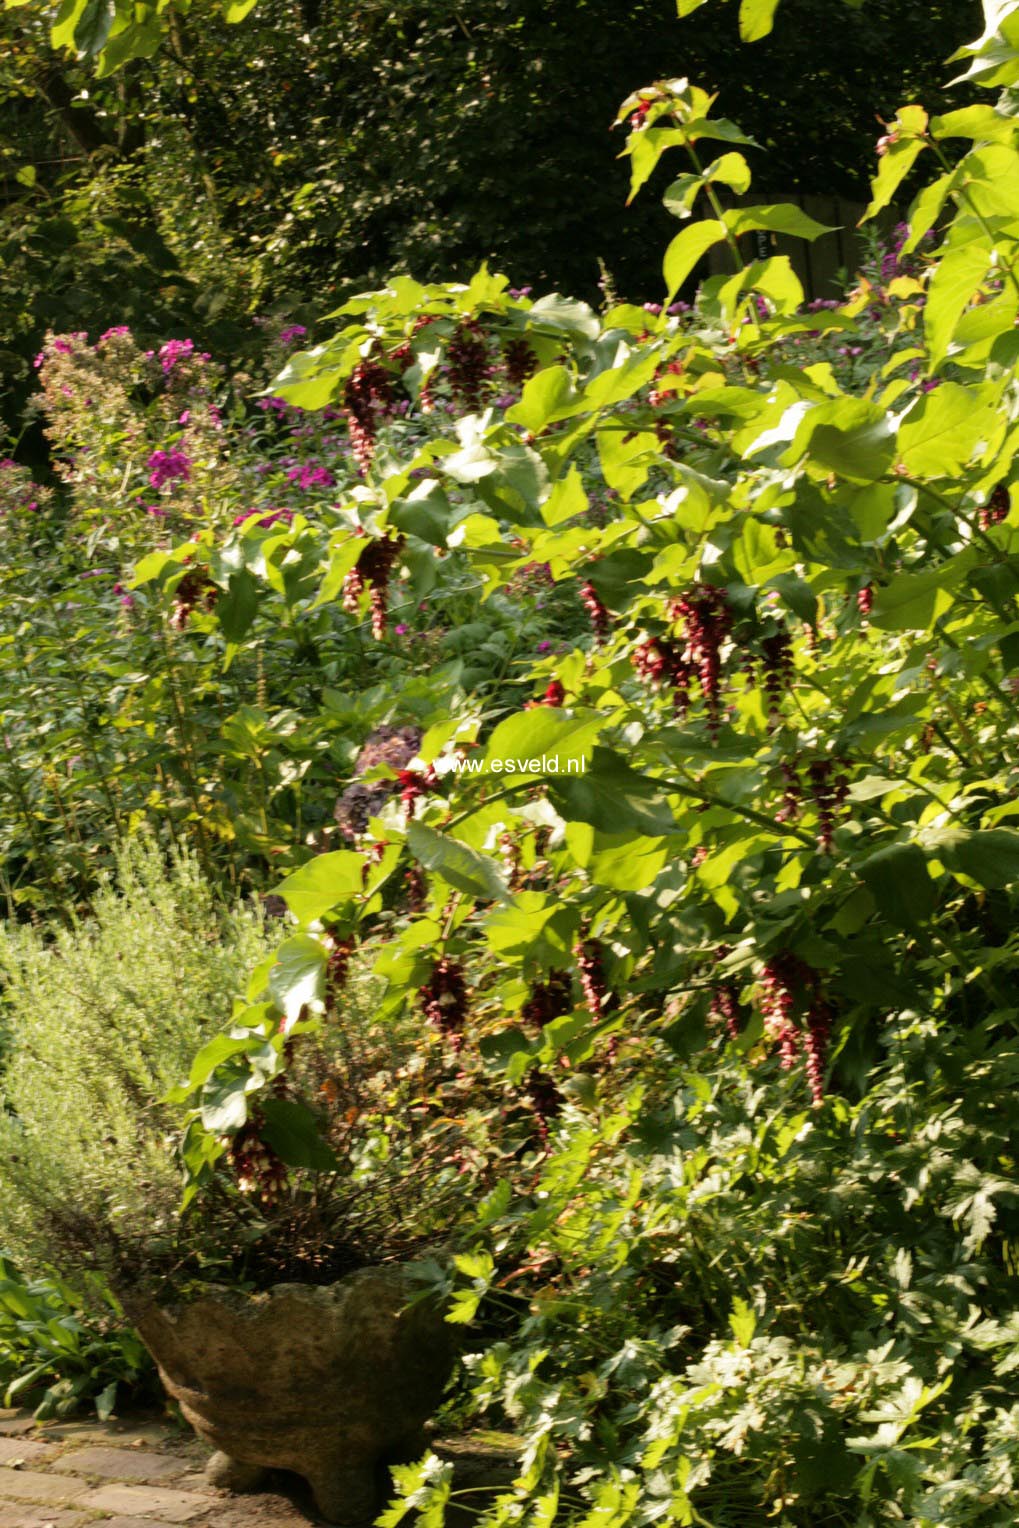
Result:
<point x="174" y="351"/>
<point x="310" y="476"/>
<point x="168" y="467"/>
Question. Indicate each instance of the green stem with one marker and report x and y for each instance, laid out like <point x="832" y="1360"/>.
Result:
<point x="717" y="209"/>
<point x="962" y="196"/>
<point x="975" y="528"/>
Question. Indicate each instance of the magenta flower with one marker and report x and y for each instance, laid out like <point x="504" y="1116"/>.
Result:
<point x="291" y="333"/>
<point x="119" y="331"/>
<point x="168" y="467"/>
<point x="310" y="476"/>
<point x="174" y="351"/>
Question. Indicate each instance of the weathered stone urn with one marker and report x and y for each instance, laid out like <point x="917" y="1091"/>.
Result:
<point x="330" y="1382"/>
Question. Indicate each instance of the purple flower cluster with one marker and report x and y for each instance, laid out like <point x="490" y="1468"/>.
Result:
<point x="168" y="467"/>
<point x="178" y="350"/>
<point x="292" y="333"/>
<point x="310" y="476"/>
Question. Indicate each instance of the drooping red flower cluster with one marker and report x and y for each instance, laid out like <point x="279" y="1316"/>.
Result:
<point x="519" y="361"/>
<point x="443" y="1000"/>
<point x="195" y="589"/>
<point x="822" y="781"/>
<point x="706" y="617"/>
<point x="598" y="996"/>
<point x="598" y="614"/>
<point x="467" y="365"/>
<point x="555" y="695"/>
<point x="548" y="1000"/>
<point x="865" y="600"/>
<point x="338" y="967"/>
<point x="545" y="1099"/>
<point x="725" y="1000"/>
<point x="777" y="671"/>
<point x="372" y="571"/>
<point x="996" y="509"/>
<point x="828" y="791"/>
<point x="415" y="886"/>
<point x="415" y="783"/>
<point x="661" y="663"/>
<point x="368" y="399"/>
<point x="658" y="396"/>
<point x="257" y="1168"/>
<point x="789" y="986"/>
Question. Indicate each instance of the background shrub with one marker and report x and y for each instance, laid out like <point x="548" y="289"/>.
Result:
<point x="101" y="1019"/>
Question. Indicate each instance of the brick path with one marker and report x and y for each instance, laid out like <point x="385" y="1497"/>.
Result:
<point x="123" y="1475"/>
<point x="148" y="1474"/>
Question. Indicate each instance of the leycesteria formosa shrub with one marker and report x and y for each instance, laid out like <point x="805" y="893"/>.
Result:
<point x="728" y="897"/>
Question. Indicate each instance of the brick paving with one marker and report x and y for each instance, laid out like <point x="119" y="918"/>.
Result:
<point x="146" y="1474"/>
<point x="123" y="1475"/>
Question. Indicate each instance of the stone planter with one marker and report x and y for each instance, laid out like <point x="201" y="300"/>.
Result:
<point x="330" y="1382"/>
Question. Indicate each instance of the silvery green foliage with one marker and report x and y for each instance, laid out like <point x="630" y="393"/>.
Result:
<point x="100" y="1020"/>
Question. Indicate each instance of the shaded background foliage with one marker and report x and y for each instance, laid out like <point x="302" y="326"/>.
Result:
<point x="321" y="146"/>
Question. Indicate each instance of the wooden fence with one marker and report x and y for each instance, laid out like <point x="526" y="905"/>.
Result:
<point x="819" y="265"/>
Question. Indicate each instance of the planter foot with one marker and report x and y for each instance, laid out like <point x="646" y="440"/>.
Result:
<point x="232" y="1475"/>
<point x="347" y="1495"/>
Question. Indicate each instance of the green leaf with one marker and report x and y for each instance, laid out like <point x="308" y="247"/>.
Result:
<point x="93" y="27"/>
<point x="547" y="396"/>
<point x="566" y="500"/>
<point x="627" y="862"/>
<point x="688" y="247"/>
<point x="680" y="196"/>
<point x="989" y="856"/>
<point x="627" y="456"/>
<point x="237" y="609"/>
<point x="732" y="170"/>
<point x="898" y="880"/>
<point x="940" y="433"/>
<point x="224" y="1106"/>
<point x="298" y="977"/>
<point x="956" y="278"/>
<point x="545" y="738"/>
<point x="565" y="315"/>
<point x="236" y="10"/>
<point x="893" y="168"/>
<point x="742" y="1322"/>
<point x="292" y="1132"/>
<point x="106" y="1401"/>
<point x="322" y="884"/>
<point x="615" y="798"/>
<point x="851" y="437"/>
<point x="782" y="217"/>
<point x="457" y="864"/>
<point x="912" y="600"/>
<point x="797" y="594"/>
<point x="755" y="18"/>
<point x="982" y="123"/>
<point x="66" y="23"/>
